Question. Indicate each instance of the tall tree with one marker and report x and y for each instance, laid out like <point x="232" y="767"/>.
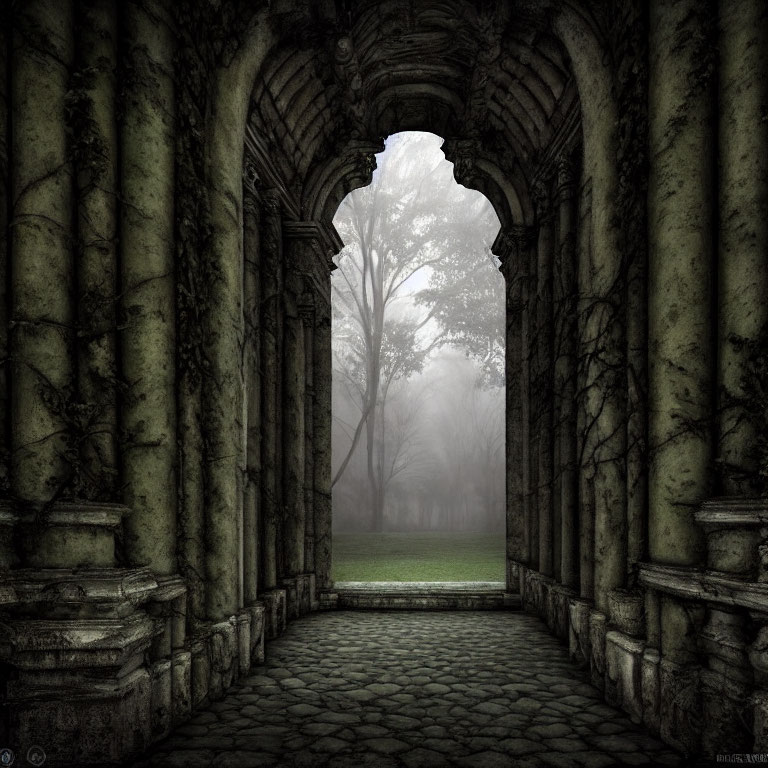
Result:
<point x="408" y="235"/>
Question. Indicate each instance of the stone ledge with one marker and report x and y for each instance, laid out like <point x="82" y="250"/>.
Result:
<point x="706" y="586"/>
<point x="425" y="595"/>
<point x="733" y="510"/>
<point x="92" y="585"/>
<point x="66" y="513"/>
<point x="78" y="643"/>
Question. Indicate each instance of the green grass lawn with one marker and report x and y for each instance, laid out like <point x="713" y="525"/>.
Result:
<point x="418" y="557"/>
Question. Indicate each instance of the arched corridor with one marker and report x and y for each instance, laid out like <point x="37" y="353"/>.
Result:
<point x="169" y="174"/>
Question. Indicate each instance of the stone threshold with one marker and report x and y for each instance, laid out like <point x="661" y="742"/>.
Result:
<point x="425" y="595"/>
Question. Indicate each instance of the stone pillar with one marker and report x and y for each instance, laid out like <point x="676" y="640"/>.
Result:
<point x="5" y="189"/>
<point x="585" y="482"/>
<point x="321" y="432"/>
<point x="293" y="404"/>
<point x="507" y="249"/>
<point x="271" y="257"/>
<point x="307" y="313"/>
<point x="680" y="301"/>
<point x="565" y="377"/>
<point x="41" y="251"/>
<point x="252" y="373"/>
<point x="95" y="139"/>
<point x="544" y="389"/>
<point x="147" y="266"/>
<point x="743" y="227"/>
<point x="530" y="465"/>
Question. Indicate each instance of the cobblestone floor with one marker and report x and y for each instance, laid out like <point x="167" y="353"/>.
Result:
<point x="383" y="690"/>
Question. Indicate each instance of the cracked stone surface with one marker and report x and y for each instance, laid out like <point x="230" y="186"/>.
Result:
<point x="351" y="689"/>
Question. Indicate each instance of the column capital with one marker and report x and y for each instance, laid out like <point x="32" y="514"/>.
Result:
<point x="324" y="236"/>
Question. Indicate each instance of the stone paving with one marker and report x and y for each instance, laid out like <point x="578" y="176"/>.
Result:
<point x="356" y="689"/>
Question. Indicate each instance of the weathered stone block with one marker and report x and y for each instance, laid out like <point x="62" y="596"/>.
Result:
<point x="257" y="632"/>
<point x="760" y="720"/>
<point x="110" y="717"/>
<point x="727" y="711"/>
<point x="328" y="600"/>
<point x="579" y="646"/>
<point x="560" y="597"/>
<point x="201" y="672"/>
<point x="303" y="594"/>
<point x="291" y="588"/>
<point x="223" y="644"/>
<point x="161" y="711"/>
<point x="650" y="690"/>
<point x="626" y="612"/>
<point x="680" y="705"/>
<point x="623" y="673"/>
<point x="243" y="623"/>
<point x="182" y="686"/>
<point x="598" y="623"/>
<point x="314" y="602"/>
<point x="513" y="576"/>
<point x="274" y="612"/>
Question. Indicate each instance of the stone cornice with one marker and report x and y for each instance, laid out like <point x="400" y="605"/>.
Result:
<point x="706" y="586"/>
<point x="733" y="511"/>
<point x="65" y="513"/>
<point x="103" y="585"/>
<point x="78" y="643"/>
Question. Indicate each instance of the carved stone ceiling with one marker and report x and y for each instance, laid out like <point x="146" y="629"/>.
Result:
<point x="489" y="77"/>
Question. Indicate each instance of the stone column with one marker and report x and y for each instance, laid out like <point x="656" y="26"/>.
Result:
<point x="293" y="404"/>
<point x="530" y="463"/>
<point x="5" y="188"/>
<point x="307" y="313"/>
<point x="95" y="139"/>
<point x="506" y="248"/>
<point x="585" y="483"/>
<point x="271" y="258"/>
<point x="147" y="267"/>
<point x="680" y="301"/>
<point x="321" y="433"/>
<point x="743" y="228"/>
<point x="41" y="250"/>
<point x="543" y="384"/>
<point x="565" y="377"/>
<point x="252" y="304"/>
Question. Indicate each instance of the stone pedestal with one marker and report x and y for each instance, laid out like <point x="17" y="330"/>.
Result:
<point x="274" y="602"/>
<point x="680" y="705"/>
<point x="623" y="673"/>
<point x="579" y="646"/>
<point x="650" y="690"/>
<point x="291" y="589"/>
<point x="80" y="685"/>
<point x="256" y="613"/>
<point x="598" y="623"/>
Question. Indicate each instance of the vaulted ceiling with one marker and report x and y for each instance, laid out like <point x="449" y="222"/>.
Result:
<point x="489" y="77"/>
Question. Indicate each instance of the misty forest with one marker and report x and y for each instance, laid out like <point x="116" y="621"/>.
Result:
<point x="418" y="351"/>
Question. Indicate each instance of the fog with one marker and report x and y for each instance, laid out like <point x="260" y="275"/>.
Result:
<point x="418" y="346"/>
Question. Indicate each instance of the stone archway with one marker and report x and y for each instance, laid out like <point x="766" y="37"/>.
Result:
<point x="166" y="211"/>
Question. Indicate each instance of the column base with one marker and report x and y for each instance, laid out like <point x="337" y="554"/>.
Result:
<point x="623" y="673"/>
<point x="274" y="602"/>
